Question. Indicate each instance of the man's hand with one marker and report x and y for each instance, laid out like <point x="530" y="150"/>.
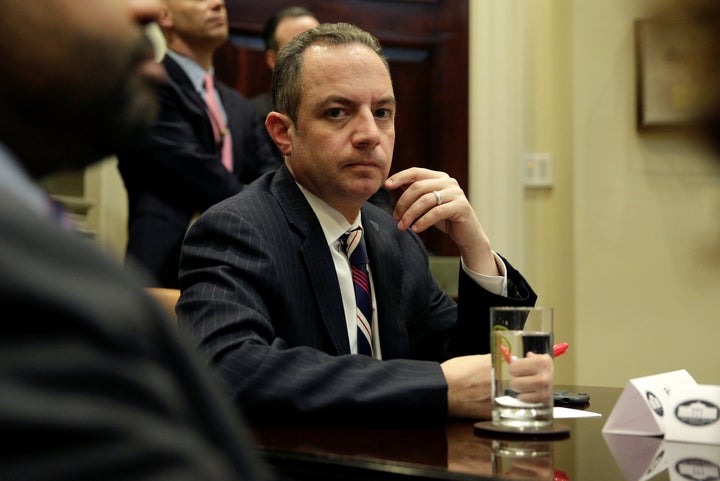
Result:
<point x="469" y="381"/>
<point x="469" y="388"/>
<point x="532" y="378"/>
<point x="432" y="198"/>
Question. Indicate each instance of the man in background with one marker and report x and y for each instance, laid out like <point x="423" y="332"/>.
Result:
<point x="278" y="30"/>
<point x="96" y="385"/>
<point x="206" y="144"/>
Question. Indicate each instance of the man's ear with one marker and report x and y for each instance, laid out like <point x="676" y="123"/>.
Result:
<point x="270" y="58"/>
<point x="164" y="20"/>
<point x="278" y="126"/>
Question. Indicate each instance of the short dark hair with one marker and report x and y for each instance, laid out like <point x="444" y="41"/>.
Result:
<point x="268" y="33"/>
<point x="286" y="78"/>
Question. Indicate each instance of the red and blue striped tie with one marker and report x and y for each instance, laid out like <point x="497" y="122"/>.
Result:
<point x="354" y="246"/>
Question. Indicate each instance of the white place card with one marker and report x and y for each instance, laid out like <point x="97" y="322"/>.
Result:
<point x="644" y="404"/>
<point x="694" y="414"/>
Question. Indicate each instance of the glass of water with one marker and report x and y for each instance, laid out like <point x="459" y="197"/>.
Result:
<point x="514" y="332"/>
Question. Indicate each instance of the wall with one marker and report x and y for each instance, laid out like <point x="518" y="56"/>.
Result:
<point x="519" y="81"/>
<point x="625" y="245"/>
<point x="547" y="212"/>
<point x="647" y="219"/>
<point x="642" y="214"/>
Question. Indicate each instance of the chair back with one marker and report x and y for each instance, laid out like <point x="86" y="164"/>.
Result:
<point x="167" y="298"/>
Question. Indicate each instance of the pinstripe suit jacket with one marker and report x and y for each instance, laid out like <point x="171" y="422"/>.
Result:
<point x="261" y="299"/>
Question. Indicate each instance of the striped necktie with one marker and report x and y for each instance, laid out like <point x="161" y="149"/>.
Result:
<point x="354" y="246"/>
<point x="220" y="130"/>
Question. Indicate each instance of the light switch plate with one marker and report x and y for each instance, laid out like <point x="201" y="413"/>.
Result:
<point x="537" y="170"/>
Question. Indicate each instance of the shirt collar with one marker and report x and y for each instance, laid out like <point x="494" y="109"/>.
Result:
<point x="333" y="223"/>
<point x="194" y="71"/>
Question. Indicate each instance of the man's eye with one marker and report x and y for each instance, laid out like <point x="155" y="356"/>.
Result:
<point x="335" y="113"/>
<point x="383" y="113"/>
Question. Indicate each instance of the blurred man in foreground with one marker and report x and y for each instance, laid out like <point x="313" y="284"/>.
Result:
<point x="95" y="383"/>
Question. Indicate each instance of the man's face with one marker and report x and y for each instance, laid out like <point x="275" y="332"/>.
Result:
<point x="81" y="74"/>
<point x="199" y="21"/>
<point x="288" y="28"/>
<point x="342" y="143"/>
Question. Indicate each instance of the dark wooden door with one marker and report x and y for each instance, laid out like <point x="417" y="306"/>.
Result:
<point x="426" y="42"/>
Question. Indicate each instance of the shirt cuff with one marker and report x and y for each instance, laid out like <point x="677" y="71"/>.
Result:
<point x="494" y="284"/>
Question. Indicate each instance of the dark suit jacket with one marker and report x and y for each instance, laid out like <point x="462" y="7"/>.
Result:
<point x="262" y="103"/>
<point x="261" y="298"/>
<point x="95" y="382"/>
<point x="176" y="172"/>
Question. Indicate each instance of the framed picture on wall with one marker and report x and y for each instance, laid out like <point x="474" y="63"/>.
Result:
<point x="667" y="94"/>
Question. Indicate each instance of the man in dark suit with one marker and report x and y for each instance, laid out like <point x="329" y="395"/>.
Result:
<point x="268" y="292"/>
<point x="177" y="172"/>
<point x="95" y="382"/>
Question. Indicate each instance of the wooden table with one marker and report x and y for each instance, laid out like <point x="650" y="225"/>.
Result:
<point x="452" y="451"/>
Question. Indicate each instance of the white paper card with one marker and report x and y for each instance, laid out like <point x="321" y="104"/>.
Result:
<point x="694" y="414"/>
<point x="643" y="405"/>
<point x="560" y="412"/>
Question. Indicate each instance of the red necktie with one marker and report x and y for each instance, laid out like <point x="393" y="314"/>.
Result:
<point x="354" y="246"/>
<point x="220" y="130"/>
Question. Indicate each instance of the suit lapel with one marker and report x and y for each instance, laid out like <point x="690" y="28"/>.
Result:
<point x="191" y="99"/>
<point x="315" y="256"/>
<point x="385" y="260"/>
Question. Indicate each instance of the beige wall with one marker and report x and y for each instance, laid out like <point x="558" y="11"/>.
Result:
<point x="647" y="219"/>
<point x="627" y="243"/>
<point x="520" y="104"/>
<point x="547" y="213"/>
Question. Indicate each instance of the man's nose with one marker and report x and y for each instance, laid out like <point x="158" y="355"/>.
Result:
<point x="366" y="131"/>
